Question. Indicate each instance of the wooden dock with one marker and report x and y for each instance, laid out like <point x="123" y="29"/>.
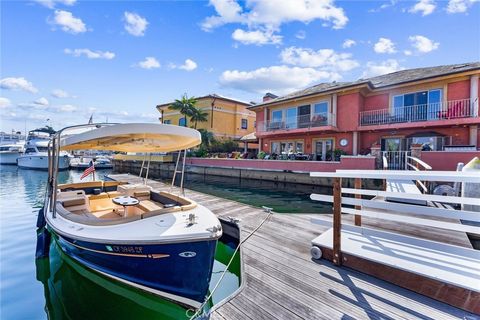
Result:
<point x="281" y="281"/>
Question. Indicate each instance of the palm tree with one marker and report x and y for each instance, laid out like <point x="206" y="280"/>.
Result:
<point x="207" y="137"/>
<point x="198" y="116"/>
<point x="185" y="106"/>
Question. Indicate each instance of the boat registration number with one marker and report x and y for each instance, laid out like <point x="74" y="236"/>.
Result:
<point x="125" y="249"/>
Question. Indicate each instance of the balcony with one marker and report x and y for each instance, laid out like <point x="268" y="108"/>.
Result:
<point x="299" y="122"/>
<point x="447" y="110"/>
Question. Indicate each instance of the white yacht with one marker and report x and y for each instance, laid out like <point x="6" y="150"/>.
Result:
<point x="35" y="155"/>
<point x="9" y="153"/>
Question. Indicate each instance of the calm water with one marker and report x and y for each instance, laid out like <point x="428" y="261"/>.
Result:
<point x="58" y="286"/>
<point x="282" y="197"/>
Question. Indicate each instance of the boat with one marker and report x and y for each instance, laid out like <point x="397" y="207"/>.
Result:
<point x="163" y="244"/>
<point x="84" y="162"/>
<point x="35" y="155"/>
<point x="9" y="153"/>
<point x="16" y="137"/>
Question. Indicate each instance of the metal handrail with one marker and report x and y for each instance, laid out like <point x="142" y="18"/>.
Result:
<point x="298" y="122"/>
<point x="55" y="159"/>
<point x="452" y="109"/>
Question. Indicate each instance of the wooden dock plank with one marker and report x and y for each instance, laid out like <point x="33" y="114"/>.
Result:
<point x="282" y="282"/>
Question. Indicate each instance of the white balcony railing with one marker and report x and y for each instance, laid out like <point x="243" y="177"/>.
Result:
<point x="299" y="122"/>
<point x="423" y="112"/>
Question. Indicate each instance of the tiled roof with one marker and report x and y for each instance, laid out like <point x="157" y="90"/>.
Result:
<point x="385" y="80"/>
<point x="211" y="96"/>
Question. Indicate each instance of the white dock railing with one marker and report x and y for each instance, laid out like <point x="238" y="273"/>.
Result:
<point x="397" y="211"/>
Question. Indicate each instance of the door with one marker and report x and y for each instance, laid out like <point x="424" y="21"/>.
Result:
<point x="434" y="104"/>
<point x="324" y="150"/>
<point x="304" y="116"/>
<point x="393" y="152"/>
<point x="291" y="122"/>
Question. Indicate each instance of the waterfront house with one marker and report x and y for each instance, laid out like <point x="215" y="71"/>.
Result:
<point x="227" y="118"/>
<point x="432" y="109"/>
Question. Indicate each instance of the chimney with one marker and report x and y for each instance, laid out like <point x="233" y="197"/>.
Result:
<point x="269" y="96"/>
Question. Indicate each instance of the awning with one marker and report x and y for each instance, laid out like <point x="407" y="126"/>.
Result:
<point x="251" y="137"/>
<point x="134" y="137"/>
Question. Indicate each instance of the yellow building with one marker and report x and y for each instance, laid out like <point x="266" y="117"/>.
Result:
<point x="227" y="118"/>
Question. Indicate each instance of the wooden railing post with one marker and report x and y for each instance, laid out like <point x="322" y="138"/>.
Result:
<point x="358" y="185"/>
<point x="337" y="221"/>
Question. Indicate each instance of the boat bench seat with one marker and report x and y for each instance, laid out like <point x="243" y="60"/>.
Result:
<point x="101" y="218"/>
<point x="113" y="194"/>
<point x="149" y="205"/>
<point x="88" y="187"/>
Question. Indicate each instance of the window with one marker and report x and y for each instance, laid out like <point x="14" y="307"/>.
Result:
<point x="299" y="147"/>
<point x="291" y="118"/>
<point x="287" y="147"/>
<point x="277" y="115"/>
<point x="417" y="106"/>
<point x="167" y="121"/>
<point x="244" y="123"/>
<point x="30" y="150"/>
<point x="182" y="122"/>
<point x="320" y="108"/>
<point x="275" y="147"/>
<point x="42" y="149"/>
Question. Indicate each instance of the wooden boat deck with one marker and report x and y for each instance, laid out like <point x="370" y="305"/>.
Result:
<point x="281" y="281"/>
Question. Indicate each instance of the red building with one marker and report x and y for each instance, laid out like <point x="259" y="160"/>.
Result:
<point x="432" y="109"/>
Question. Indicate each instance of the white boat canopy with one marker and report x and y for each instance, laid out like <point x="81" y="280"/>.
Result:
<point x="134" y="137"/>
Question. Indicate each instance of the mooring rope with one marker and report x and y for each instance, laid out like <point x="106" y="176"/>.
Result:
<point x="269" y="213"/>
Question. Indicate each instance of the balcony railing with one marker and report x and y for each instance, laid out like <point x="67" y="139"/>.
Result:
<point x="423" y="112"/>
<point x="299" y="122"/>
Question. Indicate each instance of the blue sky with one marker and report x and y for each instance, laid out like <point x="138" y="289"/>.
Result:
<point x="64" y="60"/>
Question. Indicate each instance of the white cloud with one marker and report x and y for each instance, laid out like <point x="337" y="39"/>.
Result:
<point x="5" y="103"/>
<point x="301" y="34"/>
<point x="326" y="59"/>
<point x="41" y="101"/>
<point x="407" y="52"/>
<point x="52" y="3"/>
<point x="58" y="93"/>
<point x="423" y="44"/>
<point x="17" y="84"/>
<point x="68" y="22"/>
<point x="278" y="79"/>
<point x="384" y="6"/>
<point x="65" y="108"/>
<point x="379" y="68"/>
<point x="90" y="54"/>
<point x="426" y="7"/>
<point x="149" y="63"/>
<point x="348" y="43"/>
<point x="271" y="14"/>
<point x="188" y="65"/>
<point x="384" y="45"/>
<point x="135" y="24"/>
<point x="459" y="6"/>
<point x="256" y="37"/>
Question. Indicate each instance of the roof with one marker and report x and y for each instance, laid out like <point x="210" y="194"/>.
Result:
<point x="249" y="137"/>
<point x="390" y="79"/>
<point x="210" y="96"/>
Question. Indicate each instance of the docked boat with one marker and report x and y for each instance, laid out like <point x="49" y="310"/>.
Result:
<point x="160" y="242"/>
<point x="9" y="153"/>
<point x="84" y="162"/>
<point x="35" y="155"/>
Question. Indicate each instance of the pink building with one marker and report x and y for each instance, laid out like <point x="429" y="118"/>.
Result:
<point x="432" y="109"/>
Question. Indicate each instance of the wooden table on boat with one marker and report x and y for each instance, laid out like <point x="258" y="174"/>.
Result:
<point x="281" y="281"/>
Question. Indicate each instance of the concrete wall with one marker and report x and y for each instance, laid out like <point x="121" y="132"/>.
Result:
<point x="447" y="161"/>
<point x="361" y="163"/>
<point x="272" y="170"/>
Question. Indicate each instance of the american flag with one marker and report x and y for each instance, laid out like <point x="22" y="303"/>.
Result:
<point x="90" y="169"/>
